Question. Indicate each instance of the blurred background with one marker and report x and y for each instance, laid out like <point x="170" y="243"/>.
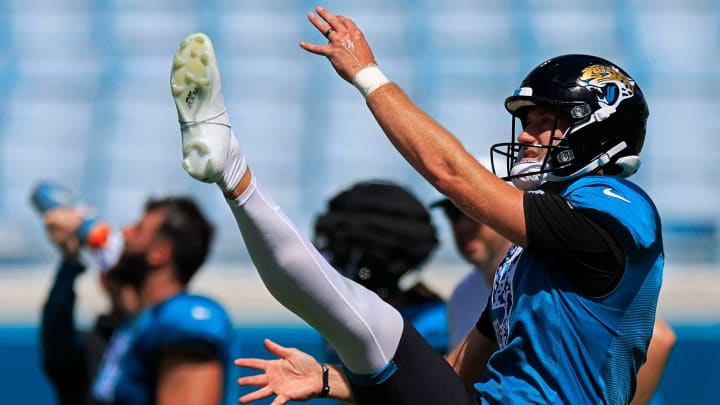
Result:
<point x="86" y="103"/>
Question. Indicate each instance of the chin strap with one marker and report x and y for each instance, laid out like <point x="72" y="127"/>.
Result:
<point x="535" y="177"/>
<point x="601" y="161"/>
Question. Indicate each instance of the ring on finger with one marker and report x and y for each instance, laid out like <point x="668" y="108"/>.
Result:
<point x="328" y="32"/>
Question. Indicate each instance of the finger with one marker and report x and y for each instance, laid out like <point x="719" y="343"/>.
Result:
<point x="259" y="380"/>
<point x="331" y="19"/>
<point x="257" y="364"/>
<point x="319" y="23"/>
<point x="349" y="25"/>
<point x="49" y="217"/>
<point x="328" y="32"/>
<point x="323" y="50"/>
<point x="279" y="401"/>
<point x="63" y="217"/>
<point x="255" y="395"/>
<point x="274" y="348"/>
<point x="57" y="234"/>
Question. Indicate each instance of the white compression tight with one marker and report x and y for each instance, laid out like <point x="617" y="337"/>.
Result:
<point x="363" y="328"/>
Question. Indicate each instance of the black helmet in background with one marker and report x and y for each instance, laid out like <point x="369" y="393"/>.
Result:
<point x="374" y="233"/>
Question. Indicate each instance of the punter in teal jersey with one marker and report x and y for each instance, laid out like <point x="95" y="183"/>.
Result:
<point x="573" y="304"/>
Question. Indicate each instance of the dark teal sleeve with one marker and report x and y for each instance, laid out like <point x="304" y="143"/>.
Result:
<point x="61" y="343"/>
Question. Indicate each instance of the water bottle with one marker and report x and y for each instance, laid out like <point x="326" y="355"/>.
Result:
<point x="92" y="232"/>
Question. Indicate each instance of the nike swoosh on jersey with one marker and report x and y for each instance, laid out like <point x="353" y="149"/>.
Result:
<point x="610" y="193"/>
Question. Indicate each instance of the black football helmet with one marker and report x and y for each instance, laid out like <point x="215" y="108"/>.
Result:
<point x="606" y="110"/>
<point x="374" y="233"/>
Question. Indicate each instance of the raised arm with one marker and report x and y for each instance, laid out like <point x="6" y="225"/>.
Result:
<point x="63" y="347"/>
<point x="433" y="151"/>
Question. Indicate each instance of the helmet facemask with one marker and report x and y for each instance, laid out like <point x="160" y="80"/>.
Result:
<point x="532" y="173"/>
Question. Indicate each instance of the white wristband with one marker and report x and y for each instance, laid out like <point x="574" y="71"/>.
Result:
<point x="369" y="79"/>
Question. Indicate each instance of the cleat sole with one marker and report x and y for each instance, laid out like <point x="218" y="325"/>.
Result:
<point x="189" y="80"/>
<point x="191" y="83"/>
<point x="190" y="74"/>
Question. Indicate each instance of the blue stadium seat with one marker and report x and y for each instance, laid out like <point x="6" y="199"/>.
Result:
<point x="89" y="103"/>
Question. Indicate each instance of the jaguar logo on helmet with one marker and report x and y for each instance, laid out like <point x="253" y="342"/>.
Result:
<point x="612" y="85"/>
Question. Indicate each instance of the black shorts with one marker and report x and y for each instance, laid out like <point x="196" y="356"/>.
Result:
<point x="423" y="377"/>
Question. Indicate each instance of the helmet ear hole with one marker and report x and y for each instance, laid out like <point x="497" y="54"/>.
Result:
<point x="580" y="111"/>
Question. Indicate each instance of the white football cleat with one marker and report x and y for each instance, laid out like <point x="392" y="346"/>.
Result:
<point x="210" y="151"/>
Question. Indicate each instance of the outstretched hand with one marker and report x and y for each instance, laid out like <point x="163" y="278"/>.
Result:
<point x="347" y="48"/>
<point x="293" y="376"/>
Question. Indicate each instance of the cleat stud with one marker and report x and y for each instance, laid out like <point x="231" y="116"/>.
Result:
<point x="200" y="148"/>
<point x="179" y="61"/>
<point x="193" y="78"/>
